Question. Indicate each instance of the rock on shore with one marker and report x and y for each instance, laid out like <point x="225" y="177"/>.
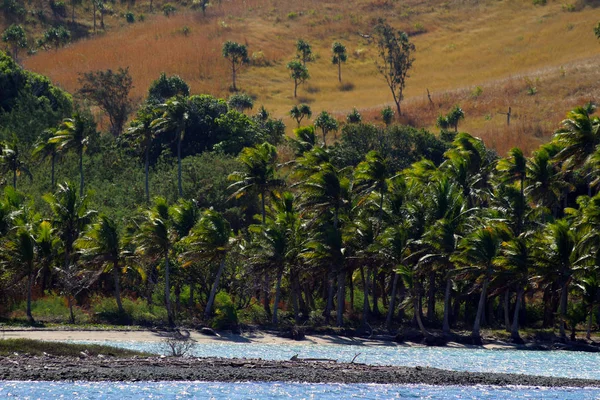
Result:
<point x="236" y="370"/>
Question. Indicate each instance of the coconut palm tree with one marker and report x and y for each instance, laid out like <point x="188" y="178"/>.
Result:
<point x="371" y="176"/>
<point x="259" y="174"/>
<point x="578" y="137"/>
<point x="544" y="183"/>
<point x="477" y="252"/>
<point x="44" y="149"/>
<point x="142" y="135"/>
<point x="103" y="244"/>
<point x="155" y="240"/>
<point x="74" y="134"/>
<point x="513" y="168"/>
<point x="209" y="241"/>
<point x="12" y="160"/>
<point x="175" y="118"/>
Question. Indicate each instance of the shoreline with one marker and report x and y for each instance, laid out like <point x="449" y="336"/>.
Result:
<point x="155" y="369"/>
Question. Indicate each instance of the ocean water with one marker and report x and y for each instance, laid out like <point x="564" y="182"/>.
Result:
<point x="546" y="363"/>
<point x="266" y="391"/>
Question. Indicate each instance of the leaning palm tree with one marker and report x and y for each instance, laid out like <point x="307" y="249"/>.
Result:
<point x="209" y="241"/>
<point x="259" y="173"/>
<point x="578" y="137"/>
<point x="175" y="118"/>
<point x="103" y="244"/>
<point x="12" y="160"/>
<point x="477" y="253"/>
<point x="155" y="240"/>
<point x="74" y="134"/>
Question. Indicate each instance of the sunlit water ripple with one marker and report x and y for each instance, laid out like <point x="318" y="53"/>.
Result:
<point x="218" y="390"/>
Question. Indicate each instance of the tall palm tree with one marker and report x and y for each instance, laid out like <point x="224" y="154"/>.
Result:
<point x="544" y="183"/>
<point x="175" y="118"/>
<point x="513" y="168"/>
<point x="477" y="253"/>
<point x="44" y="149"/>
<point x="74" y="134"/>
<point x="142" y="134"/>
<point x="12" y="160"/>
<point x="259" y="174"/>
<point x="556" y="256"/>
<point x="371" y="176"/>
<point x="578" y="137"/>
<point x="209" y="241"/>
<point x="155" y="240"/>
<point x="103" y="243"/>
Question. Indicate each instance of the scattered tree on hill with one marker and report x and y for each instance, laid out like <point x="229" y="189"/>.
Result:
<point x="166" y="87"/>
<point x="326" y="123"/>
<point x="240" y="102"/>
<point x="339" y="57"/>
<point x="396" y="58"/>
<point x="304" y="51"/>
<point x="354" y="117"/>
<point x="299" y="74"/>
<point x="299" y="112"/>
<point x="73" y="3"/>
<point x="203" y="4"/>
<point x="110" y="91"/>
<point x="16" y="38"/>
<point x="451" y="119"/>
<point x="168" y="9"/>
<point x="597" y="30"/>
<point x="55" y="37"/>
<point x="237" y="54"/>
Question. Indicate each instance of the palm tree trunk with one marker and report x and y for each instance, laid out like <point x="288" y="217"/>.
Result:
<point x="588" y="333"/>
<point x="431" y="297"/>
<point x="81" y="182"/>
<point x="416" y="302"/>
<point x="233" y="75"/>
<point x="264" y="211"/>
<point x="374" y="294"/>
<point x="329" y="305"/>
<point x="14" y="178"/>
<point x="476" y="334"/>
<point x="366" y="307"/>
<point x="213" y="290"/>
<point x="295" y="295"/>
<point x="563" y="309"/>
<point x="146" y="171"/>
<point x="29" y="291"/>
<point x="340" y="71"/>
<point x="390" y="314"/>
<point x="514" y="330"/>
<point x="52" y="171"/>
<point x="447" y="293"/>
<point x="168" y="291"/>
<point x="266" y="297"/>
<point x="70" y="304"/>
<point x="277" y="294"/>
<point x="506" y="310"/>
<point x="341" y="292"/>
<point x="179" y="187"/>
<point x="117" y="286"/>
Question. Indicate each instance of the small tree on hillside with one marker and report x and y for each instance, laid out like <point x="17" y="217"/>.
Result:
<point x="339" y="57"/>
<point x="110" y="91"/>
<point x="395" y="53"/>
<point x="202" y="4"/>
<point x="597" y="30"/>
<point x="304" y="51"/>
<point x="326" y="123"/>
<point x="354" y="117"/>
<point x="55" y="37"/>
<point x="298" y="112"/>
<point x="237" y="54"/>
<point x="387" y="114"/>
<point x="166" y="87"/>
<point x="16" y="38"/>
<point x="240" y="102"/>
<point x="299" y="74"/>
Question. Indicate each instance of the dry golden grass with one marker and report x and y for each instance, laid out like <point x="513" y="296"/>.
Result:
<point x="490" y="44"/>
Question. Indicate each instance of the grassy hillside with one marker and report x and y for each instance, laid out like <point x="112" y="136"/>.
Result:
<point x="483" y="55"/>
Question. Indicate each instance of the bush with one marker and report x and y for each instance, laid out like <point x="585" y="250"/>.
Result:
<point x="254" y="314"/>
<point x="59" y="8"/>
<point x="225" y="312"/>
<point x="168" y="9"/>
<point x="130" y="17"/>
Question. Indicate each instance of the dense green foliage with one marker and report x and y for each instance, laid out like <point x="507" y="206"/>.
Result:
<point x="388" y="225"/>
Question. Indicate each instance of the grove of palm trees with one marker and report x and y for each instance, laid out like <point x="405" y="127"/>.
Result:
<point x="200" y="214"/>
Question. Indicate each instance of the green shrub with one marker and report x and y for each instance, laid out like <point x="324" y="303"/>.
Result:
<point x="225" y="312"/>
<point x="539" y="2"/>
<point x="130" y="17"/>
<point x="254" y="314"/>
<point x="292" y="15"/>
<point x="168" y="9"/>
<point x="58" y="8"/>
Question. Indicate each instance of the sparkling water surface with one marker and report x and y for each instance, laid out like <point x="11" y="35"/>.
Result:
<point x="265" y="391"/>
<point x="566" y="364"/>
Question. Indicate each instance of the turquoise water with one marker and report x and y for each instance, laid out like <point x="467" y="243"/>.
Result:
<point x="265" y="391"/>
<point x="547" y="363"/>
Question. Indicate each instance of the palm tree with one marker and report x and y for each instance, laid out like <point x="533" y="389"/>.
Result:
<point x="478" y="251"/>
<point x="514" y="168"/>
<point x="102" y="243"/>
<point x="370" y="177"/>
<point x="556" y="256"/>
<point x="73" y="134"/>
<point x="589" y="285"/>
<point x="11" y="160"/>
<point x="44" y="149"/>
<point x="258" y="174"/>
<point x="142" y="133"/>
<point x="578" y="137"/>
<point x="176" y="117"/>
<point x="209" y="240"/>
<point x="544" y="183"/>
<point x="155" y="240"/>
